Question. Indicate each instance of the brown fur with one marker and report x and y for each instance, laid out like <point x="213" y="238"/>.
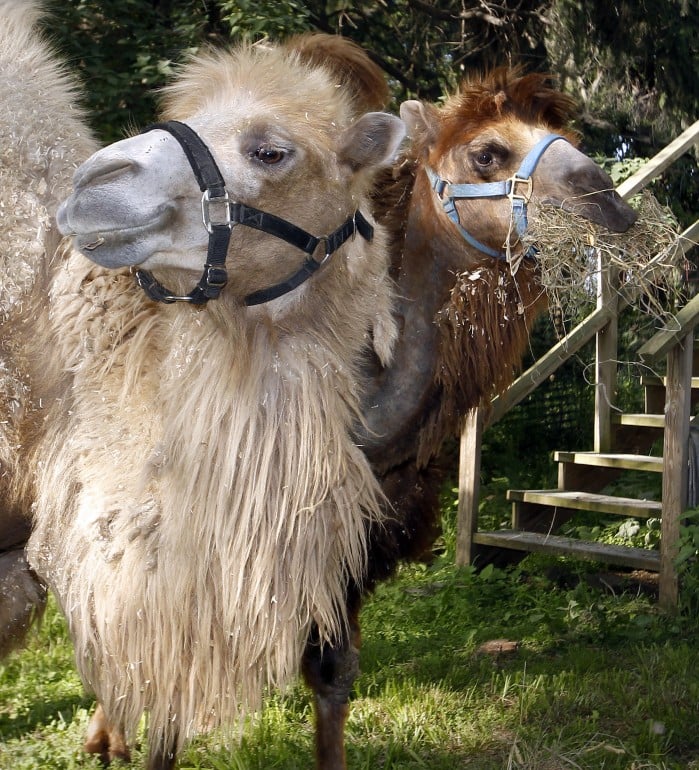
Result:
<point x="349" y="64"/>
<point x="485" y="311"/>
<point x="498" y="96"/>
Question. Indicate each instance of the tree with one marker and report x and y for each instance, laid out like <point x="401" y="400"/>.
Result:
<point x="633" y="65"/>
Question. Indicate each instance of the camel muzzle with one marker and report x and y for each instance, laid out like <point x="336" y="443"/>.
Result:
<point x="220" y="215"/>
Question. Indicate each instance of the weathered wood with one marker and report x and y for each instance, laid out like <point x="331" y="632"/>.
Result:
<point x="657" y="164"/>
<point x="587" y="501"/>
<point x="640" y="420"/>
<point x="623" y="556"/>
<point x="675" y="455"/>
<point x="469" y="484"/>
<point x="593" y="479"/>
<point x="548" y="363"/>
<point x="606" y="343"/>
<point x="612" y="460"/>
<point x="660" y="343"/>
<point x="651" y="380"/>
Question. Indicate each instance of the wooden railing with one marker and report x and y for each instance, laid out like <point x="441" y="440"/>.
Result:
<point x="601" y="324"/>
<point x="675" y="344"/>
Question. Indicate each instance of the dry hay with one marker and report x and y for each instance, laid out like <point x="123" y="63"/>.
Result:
<point x="649" y="264"/>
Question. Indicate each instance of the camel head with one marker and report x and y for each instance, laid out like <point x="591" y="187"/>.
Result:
<point x="287" y="143"/>
<point x="503" y="141"/>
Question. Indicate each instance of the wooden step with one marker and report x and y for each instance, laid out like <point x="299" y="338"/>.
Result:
<point x="650" y="380"/>
<point x="586" y="501"/>
<point x="622" y="556"/>
<point x="641" y="420"/>
<point x="611" y="460"/>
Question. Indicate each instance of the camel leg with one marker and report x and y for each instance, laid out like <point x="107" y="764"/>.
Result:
<point x="22" y="599"/>
<point x="105" y="739"/>
<point x="330" y="672"/>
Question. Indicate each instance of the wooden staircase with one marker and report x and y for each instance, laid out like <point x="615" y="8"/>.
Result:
<point x="538" y="514"/>
<point x="621" y="442"/>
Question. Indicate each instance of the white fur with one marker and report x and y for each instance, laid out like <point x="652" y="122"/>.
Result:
<point x="200" y="503"/>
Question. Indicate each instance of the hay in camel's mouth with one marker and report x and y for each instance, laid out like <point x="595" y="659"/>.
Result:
<point x="646" y="258"/>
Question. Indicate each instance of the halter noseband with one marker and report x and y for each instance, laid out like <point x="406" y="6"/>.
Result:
<point x="220" y="215"/>
<point x="449" y="193"/>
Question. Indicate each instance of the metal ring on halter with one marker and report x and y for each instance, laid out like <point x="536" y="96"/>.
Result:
<point x="215" y="197"/>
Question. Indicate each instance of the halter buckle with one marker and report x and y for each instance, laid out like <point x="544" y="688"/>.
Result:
<point x="512" y="193"/>
<point x="207" y="203"/>
<point x="325" y="240"/>
<point x="215" y="276"/>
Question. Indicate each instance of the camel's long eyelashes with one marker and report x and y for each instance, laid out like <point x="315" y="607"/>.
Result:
<point x="269" y="155"/>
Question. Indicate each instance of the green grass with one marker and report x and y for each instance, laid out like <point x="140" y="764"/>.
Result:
<point x="599" y="680"/>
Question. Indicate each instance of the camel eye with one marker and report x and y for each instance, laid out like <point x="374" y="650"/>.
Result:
<point x="484" y="158"/>
<point x="269" y="155"/>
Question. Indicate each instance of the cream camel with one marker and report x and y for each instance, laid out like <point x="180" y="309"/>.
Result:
<point x="445" y="301"/>
<point x="199" y="503"/>
<point x="44" y="138"/>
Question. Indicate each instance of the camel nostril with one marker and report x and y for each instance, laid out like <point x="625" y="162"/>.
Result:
<point x="101" y="169"/>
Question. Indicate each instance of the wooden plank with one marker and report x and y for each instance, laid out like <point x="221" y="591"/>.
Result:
<point x="657" y="164"/>
<point x="606" y="344"/>
<point x="650" y="380"/>
<point x="587" y="501"/>
<point x="623" y="556"/>
<point x="548" y="363"/>
<point x="529" y="380"/>
<point x="660" y="343"/>
<point x="675" y="454"/>
<point x="612" y="460"/>
<point x="640" y="420"/>
<point x="469" y="484"/>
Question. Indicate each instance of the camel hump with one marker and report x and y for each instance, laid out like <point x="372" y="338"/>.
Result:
<point x="349" y="63"/>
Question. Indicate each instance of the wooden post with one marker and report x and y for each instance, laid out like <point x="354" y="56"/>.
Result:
<point x="675" y="459"/>
<point x="469" y="484"/>
<point x="605" y="357"/>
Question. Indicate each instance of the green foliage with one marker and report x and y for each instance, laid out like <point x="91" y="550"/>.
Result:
<point x="123" y="50"/>
<point x="275" y="19"/>
<point x="632" y="63"/>
<point x="687" y="563"/>
<point x="597" y="679"/>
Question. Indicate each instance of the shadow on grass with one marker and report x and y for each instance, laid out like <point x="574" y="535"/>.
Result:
<point x="41" y="713"/>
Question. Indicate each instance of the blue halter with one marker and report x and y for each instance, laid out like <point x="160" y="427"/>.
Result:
<point x="509" y="188"/>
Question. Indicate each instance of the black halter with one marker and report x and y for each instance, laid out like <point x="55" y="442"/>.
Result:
<point x="220" y="215"/>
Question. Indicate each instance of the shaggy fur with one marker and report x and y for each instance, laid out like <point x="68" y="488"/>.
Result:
<point x="44" y="139"/>
<point x="484" y="311"/>
<point x="201" y="505"/>
<point x="349" y="65"/>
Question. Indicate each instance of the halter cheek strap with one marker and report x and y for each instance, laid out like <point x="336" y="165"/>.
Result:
<point x="219" y="216"/>
<point x="509" y="188"/>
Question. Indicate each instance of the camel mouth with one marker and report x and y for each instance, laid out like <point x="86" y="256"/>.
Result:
<point x="123" y="246"/>
<point x="113" y="246"/>
<point x="603" y="207"/>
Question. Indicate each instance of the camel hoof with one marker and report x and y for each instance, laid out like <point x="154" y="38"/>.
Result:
<point x="104" y="740"/>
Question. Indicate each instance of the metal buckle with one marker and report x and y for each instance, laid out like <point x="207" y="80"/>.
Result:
<point x="514" y="180"/>
<point x="206" y="204"/>
<point x="325" y="240"/>
<point x="216" y="276"/>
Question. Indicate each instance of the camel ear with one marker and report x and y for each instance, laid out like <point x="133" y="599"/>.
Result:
<point x="419" y="118"/>
<point x="372" y="141"/>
